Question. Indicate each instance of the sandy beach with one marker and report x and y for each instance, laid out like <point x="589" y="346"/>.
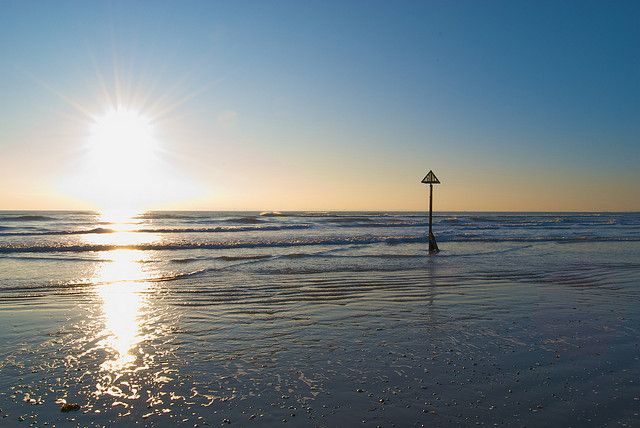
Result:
<point x="327" y="320"/>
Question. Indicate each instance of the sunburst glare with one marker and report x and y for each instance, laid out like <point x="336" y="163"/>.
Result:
<point x="122" y="138"/>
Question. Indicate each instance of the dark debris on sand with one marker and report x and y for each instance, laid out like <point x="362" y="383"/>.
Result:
<point x="69" y="407"/>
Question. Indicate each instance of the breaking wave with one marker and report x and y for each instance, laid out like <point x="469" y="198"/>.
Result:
<point x="391" y="240"/>
<point x="18" y="218"/>
<point x="215" y="229"/>
<point x="301" y="242"/>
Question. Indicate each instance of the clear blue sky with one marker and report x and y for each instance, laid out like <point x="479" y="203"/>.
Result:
<point x="333" y="105"/>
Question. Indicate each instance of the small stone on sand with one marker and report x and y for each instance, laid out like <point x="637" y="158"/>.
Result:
<point x="69" y="407"/>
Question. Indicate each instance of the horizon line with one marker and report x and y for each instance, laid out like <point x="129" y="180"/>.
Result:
<point x="337" y="211"/>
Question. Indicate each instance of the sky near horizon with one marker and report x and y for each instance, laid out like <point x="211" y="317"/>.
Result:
<point x="343" y="105"/>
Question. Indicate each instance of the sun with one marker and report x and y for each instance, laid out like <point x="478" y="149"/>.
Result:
<point x="120" y="138"/>
<point x="121" y="160"/>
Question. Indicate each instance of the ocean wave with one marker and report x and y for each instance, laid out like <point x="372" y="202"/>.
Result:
<point x="314" y="214"/>
<point x="217" y="229"/>
<point x="97" y="230"/>
<point x="374" y="224"/>
<point x="70" y="285"/>
<point x="187" y="260"/>
<point x="54" y="258"/>
<point x="210" y="246"/>
<point x="257" y="228"/>
<point x="537" y="221"/>
<point x="243" y="220"/>
<point x="302" y="242"/>
<point x="319" y="254"/>
<point x="273" y="214"/>
<point x="26" y="218"/>
<point x="238" y="258"/>
<point x="153" y="215"/>
<point x="303" y="214"/>
<point x="454" y="220"/>
<point x="349" y="219"/>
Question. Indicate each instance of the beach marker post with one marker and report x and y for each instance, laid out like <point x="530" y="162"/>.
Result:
<point x="431" y="179"/>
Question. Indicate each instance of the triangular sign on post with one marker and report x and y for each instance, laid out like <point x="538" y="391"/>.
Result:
<point x="430" y="178"/>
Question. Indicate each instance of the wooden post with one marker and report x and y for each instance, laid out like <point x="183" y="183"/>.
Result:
<point x="431" y="179"/>
<point x="433" y="245"/>
<point x="430" y="210"/>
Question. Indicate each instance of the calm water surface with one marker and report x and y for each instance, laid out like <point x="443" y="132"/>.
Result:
<point x="319" y="319"/>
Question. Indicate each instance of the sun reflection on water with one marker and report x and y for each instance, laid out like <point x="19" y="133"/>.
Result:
<point x="125" y="310"/>
<point x="120" y="229"/>
<point x="128" y="321"/>
<point x="123" y="306"/>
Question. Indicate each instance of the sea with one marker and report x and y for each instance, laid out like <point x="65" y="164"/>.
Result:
<point x="319" y="319"/>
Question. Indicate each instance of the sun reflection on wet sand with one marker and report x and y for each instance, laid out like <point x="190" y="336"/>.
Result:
<point x="124" y="307"/>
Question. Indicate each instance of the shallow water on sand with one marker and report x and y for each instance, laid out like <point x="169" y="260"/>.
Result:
<point x="329" y="319"/>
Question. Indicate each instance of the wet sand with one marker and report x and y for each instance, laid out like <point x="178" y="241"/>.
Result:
<point x="344" y="349"/>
